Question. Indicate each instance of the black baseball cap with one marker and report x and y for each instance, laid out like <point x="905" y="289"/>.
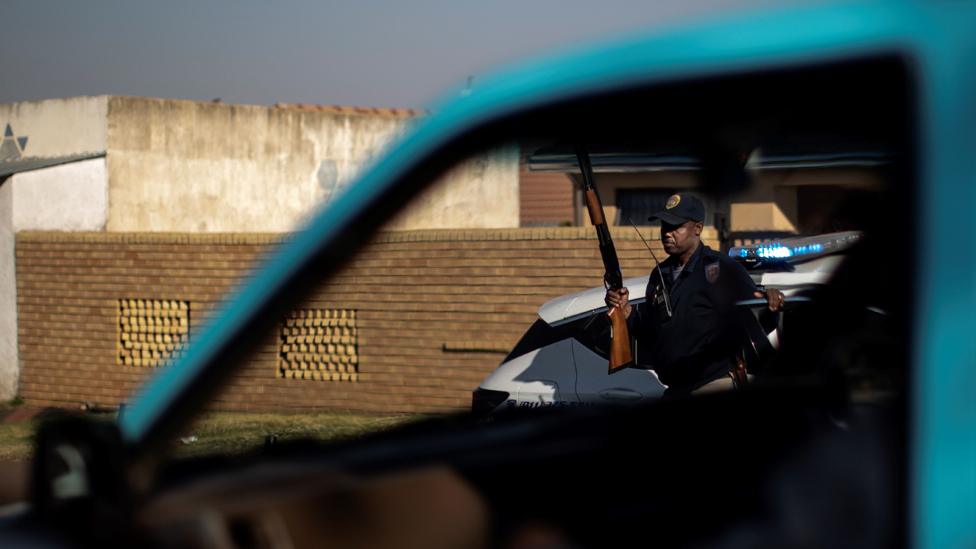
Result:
<point x="679" y="208"/>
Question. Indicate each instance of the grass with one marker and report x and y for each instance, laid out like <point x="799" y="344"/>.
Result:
<point x="223" y="432"/>
<point x="238" y="432"/>
<point x="16" y="439"/>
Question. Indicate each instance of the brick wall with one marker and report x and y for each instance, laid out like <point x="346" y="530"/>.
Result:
<point x="426" y="314"/>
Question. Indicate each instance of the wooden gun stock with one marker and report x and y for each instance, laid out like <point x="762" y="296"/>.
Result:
<point x="620" y="354"/>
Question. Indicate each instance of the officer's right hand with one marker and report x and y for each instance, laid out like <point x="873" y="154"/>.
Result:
<point x="620" y="299"/>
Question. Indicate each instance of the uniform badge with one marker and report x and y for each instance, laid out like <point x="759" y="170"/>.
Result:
<point x="673" y="201"/>
<point x="711" y="272"/>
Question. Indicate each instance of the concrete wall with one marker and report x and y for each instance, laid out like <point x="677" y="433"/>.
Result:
<point x="185" y="166"/>
<point x="58" y="127"/>
<point x="182" y="166"/>
<point x="482" y="192"/>
<point x="9" y="364"/>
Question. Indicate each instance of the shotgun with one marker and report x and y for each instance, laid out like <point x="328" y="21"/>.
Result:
<point x="620" y="353"/>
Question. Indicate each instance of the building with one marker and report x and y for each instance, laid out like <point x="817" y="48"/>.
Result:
<point x="791" y="189"/>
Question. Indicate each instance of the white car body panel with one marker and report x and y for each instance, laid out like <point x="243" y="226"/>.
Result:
<point x="570" y="307"/>
<point x="540" y="378"/>
<point x="628" y="385"/>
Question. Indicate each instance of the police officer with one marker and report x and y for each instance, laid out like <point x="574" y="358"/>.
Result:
<point x="687" y="330"/>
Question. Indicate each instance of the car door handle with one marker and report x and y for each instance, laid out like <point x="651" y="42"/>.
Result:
<point x="620" y="394"/>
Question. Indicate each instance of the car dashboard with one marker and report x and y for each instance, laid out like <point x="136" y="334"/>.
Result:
<point x="573" y="477"/>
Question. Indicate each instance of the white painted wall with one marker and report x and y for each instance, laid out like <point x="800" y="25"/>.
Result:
<point x="9" y="364"/>
<point x="69" y="197"/>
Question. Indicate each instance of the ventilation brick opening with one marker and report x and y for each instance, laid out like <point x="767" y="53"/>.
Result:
<point x="319" y="344"/>
<point x="152" y="331"/>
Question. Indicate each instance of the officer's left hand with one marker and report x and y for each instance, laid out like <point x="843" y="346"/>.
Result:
<point x="774" y="297"/>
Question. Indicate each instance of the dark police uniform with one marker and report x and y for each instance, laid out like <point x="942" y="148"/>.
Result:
<point x="695" y="344"/>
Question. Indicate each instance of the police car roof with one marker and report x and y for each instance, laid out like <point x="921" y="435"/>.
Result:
<point x="567" y="307"/>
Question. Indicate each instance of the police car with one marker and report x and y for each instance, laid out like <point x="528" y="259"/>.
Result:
<point x="561" y="361"/>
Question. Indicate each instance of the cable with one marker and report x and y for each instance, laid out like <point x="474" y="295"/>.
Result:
<point x="664" y="287"/>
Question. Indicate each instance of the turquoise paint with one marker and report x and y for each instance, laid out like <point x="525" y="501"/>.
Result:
<point x="944" y="420"/>
<point x="937" y="36"/>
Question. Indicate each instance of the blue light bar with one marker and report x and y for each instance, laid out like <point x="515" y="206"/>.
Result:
<point x="797" y="248"/>
<point x="776" y="251"/>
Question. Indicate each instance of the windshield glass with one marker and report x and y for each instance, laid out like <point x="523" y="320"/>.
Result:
<point x="493" y="279"/>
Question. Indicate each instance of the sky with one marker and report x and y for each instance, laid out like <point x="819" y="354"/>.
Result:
<point x="376" y="53"/>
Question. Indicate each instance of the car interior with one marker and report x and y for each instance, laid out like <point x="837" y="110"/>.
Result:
<point x="812" y="453"/>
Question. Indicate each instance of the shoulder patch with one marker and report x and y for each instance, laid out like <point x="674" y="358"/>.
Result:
<point x="712" y="271"/>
